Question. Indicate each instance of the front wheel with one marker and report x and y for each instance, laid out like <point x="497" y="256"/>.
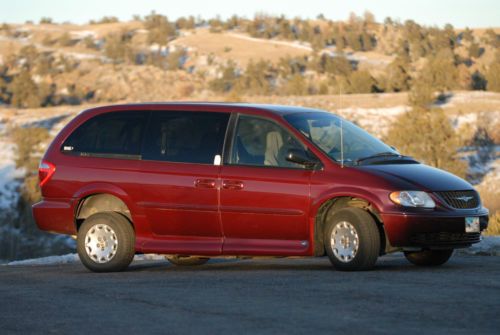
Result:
<point x="105" y="242"/>
<point x="429" y="257"/>
<point x="352" y="240"/>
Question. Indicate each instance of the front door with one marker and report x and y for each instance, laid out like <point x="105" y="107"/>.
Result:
<point x="179" y="178"/>
<point x="264" y="200"/>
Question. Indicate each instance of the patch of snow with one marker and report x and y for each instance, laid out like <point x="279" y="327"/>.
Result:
<point x="81" y="34"/>
<point x="331" y="51"/>
<point x="303" y="46"/>
<point x="84" y="56"/>
<point x="149" y="257"/>
<point x="472" y="119"/>
<point x="50" y="260"/>
<point x="10" y="175"/>
<point x="491" y="177"/>
<point x="489" y="246"/>
<point x="73" y="258"/>
<point x="375" y="120"/>
<point x="390" y="111"/>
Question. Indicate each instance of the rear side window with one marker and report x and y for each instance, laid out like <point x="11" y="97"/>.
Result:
<point x="115" y="133"/>
<point x="187" y="137"/>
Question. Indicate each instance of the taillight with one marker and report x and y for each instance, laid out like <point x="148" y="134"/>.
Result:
<point x="45" y="171"/>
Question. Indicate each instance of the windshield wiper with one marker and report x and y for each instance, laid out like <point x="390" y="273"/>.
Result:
<point x="380" y="154"/>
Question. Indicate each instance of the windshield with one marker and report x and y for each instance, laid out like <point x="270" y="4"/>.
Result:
<point x="324" y="130"/>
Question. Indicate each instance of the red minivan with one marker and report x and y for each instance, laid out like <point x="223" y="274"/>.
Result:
<point x="200" y="180"/>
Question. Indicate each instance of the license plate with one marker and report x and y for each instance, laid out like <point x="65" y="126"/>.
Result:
<point x="472" y="225"/>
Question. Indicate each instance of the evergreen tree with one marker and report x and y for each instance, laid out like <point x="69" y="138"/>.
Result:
<point x="117" y="47"/>
<point x="397" y="76"/>
<point x="296" y="85"/>
<point x="175" y="59"/>
<point x="440" y="71"/>
<point x="464" y="77"/>
<point x="337" y="65"/>
<point x="25" y="91"/>
<point x="354" y="41"/>
<point x="421" y="95"/>
<point x="65" y="40"/>
<point x="4" y="87"/>
<point x="475" y="51"/>
<point x="478" y="81"/>
<point x="493" y="75"/>
<point x="427" y="135"/>
<point x="256" y="79"/>
<point x="227" y="79"/>
<point x="29" y="54"/>
<point x="491" y="38"/>
<point x="160" y="30"/>
<point x="361" y="82"/>
<point x="468" y="35"/>
<point x="367" y="41"/>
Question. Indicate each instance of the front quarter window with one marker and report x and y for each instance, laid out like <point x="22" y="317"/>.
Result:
<point x="332" y="134"/>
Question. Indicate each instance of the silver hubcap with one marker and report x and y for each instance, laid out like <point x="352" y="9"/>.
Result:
<point x="101" y="243"/>
<point x="344" y="241"/>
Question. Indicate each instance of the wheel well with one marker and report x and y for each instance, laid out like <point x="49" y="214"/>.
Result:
<point x="331" y="206"/>
<point x="97" y="203"/>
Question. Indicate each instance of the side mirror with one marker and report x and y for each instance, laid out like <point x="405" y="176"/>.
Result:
<point x="301" y="157"/>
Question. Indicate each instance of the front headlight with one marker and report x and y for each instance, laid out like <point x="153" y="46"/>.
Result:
<point x="412" y="199"/>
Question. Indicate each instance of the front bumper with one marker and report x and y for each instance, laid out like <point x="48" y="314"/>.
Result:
<point x="432" y="230"/>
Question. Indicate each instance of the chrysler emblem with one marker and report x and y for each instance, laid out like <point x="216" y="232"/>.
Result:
<point x="464" y="198"/>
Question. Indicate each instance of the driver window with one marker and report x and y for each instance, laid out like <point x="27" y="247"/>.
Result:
<point x="262" y="142"/>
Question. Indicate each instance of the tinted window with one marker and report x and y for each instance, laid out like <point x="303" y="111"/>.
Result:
<point x="188" y="137"/>
<point x="115" y="133"/>
<point x="262" y="142"/>
<point x="339" y="138"/>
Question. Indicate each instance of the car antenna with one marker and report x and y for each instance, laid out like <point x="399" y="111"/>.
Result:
<point x="341" y="130"/>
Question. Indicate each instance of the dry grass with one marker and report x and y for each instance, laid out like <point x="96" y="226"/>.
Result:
<point x="494" y="225"/>
<point x="490" y="196"/>
<point x="231" y="47"/>
<point x="333" y="102"/>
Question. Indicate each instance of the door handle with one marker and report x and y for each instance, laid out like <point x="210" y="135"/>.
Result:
<point x="232" y="184"/>
<point x="204" y="183"/>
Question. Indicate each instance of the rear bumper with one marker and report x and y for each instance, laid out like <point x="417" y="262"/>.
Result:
<point x="55" y="216"/>
<point x="427" y="230"/>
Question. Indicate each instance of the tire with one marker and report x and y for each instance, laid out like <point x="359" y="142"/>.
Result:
<point x="429" y="257"/>
<point x="119" y="247"/>
<point x="362" y="248"/>
<point x="186" y="260"/>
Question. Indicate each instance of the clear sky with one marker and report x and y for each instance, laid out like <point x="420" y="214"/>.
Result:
<point x="460" y="13"/>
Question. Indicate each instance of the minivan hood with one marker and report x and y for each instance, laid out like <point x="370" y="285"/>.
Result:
<point x="420" y="176"/>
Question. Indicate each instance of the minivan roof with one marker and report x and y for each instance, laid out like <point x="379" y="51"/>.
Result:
<point x="198" y="106"/>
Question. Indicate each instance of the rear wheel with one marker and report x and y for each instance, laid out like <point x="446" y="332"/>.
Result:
<point x="105" y="242"/>
<point x="186" y="260"/>
<point x="429" y="257"/>
<point x="352" y="240"/>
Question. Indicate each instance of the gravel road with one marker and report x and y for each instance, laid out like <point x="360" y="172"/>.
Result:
<point x="263" y="296"/>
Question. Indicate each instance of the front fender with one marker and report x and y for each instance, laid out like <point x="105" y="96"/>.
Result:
<point x="353" y="192"/>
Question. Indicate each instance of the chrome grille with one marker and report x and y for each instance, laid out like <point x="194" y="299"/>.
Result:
<point x="460" y="199"/>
